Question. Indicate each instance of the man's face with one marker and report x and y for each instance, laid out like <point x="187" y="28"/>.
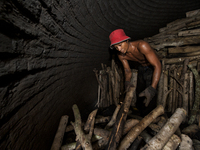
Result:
<point x="122" y="47"/>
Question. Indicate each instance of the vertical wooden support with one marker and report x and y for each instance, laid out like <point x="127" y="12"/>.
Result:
<point x="165" y="85"/>
<point x="110" y="86"/>
<point x="160" y="85"/>
<point x="134" y="82"/>
<point x="185" y="92"/>
<point x="171" y="82"/>
<point x="117" y="83"/>
<point x="191" y="90"/>
<point x="174" y="101"/>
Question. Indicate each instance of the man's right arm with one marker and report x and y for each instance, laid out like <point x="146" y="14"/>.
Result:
<point x="127" y="70"/>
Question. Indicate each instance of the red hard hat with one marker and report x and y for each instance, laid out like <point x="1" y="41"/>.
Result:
<point x="117" y="36"/>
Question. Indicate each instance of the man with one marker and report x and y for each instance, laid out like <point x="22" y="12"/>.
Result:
<point x="141" y="52"/>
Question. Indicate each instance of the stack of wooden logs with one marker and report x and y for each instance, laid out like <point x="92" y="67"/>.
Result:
<point x="110" y="84"/>
<point x="124" y="130"/>
<point x="178" y="44"/>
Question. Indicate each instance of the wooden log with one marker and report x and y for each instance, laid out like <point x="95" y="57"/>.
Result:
<point x="130" y="137"/>
<point x="97" y="120"/>
<point x="173" y="28"/>
<point x="160" y="85"/>
<point x="105" y="134"/>
<point x="135" y="144"/>
<point x="70" y="146"/>
<point x="189" y="32"/>
<point x="193" y="25"/>
<point x="110" y="86"/>
<point x="113" y="87"/>
<point x="121" y="117"/>
<point x="113" y="119"/>
<point x="196" y="144"/>
<point x="184" y="49"/>
<point x="185" y="92"/>
<point x="171" y="84"/>
<point x="195" y="108"/>
<point x="85" y="140"/>
<point x="179" y="41"/>
<point x="58" y="139"/>
<point x="180" y="21"/>
<point x="89" y="127"/>
<point x="191" y="130"/>
<point x="173" y="143"/>
<point x="134" y="83"/>
<point x="180" y="59"/>
<point x="191" y="90"/>
<point x="146" y="137"/>
<point x="165" y="86"/>
<point x="159" y="141"/>
<point x="186" y="143"/>
<point x="193" y="13"/>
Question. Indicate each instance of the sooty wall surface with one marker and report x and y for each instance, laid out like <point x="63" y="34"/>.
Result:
<point x="48" y="50"/>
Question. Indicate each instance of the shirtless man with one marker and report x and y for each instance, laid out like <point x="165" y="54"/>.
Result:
<point x="141" y="52"/>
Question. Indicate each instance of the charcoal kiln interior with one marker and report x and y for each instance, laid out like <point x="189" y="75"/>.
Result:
<point x="55" y="61"/>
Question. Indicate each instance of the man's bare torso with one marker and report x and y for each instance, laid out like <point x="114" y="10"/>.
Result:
<point x="134" y="54"/>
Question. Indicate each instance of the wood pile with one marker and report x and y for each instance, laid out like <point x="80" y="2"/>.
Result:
<point x="124" y="130"/>
<point x="173" y="124"/>
<point x="178" y="44"/>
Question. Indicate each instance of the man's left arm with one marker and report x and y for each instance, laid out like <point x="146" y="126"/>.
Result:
<point x="152" y="58"/>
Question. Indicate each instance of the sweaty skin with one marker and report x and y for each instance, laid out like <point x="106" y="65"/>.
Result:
<point x="139" y="51"/>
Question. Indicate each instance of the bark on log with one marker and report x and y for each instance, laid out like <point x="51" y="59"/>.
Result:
<point x="196" y="144"/>
<point x="185" y="49"/>
<point x="110" y="86"/>
<point x="173" y="143"/>
<point x="130" y="137"/>
<point x="135" y="144"/>
<point x="121" y="117"/>
<point x="191" y="130"/>
<point x="165" y="86"/>
<point x="89" y="127"/>
<point x="192" y="13"/>
<point x="159" y="141"/>
<point x="105" y="134"/>
<point x="186" y="143"/>
<point x="146" y="137"/>
<point x="134" y="82"/>
<point x="185" y="93"/>
<point x="189" y="32"/>
<point x="70" y="146"/>
<point x="191" y="91"/>
<point x="57" y="142"/>
<point x="113" y="119"/>
<point x="180" y="59"/>
<point x="160" y="85"/>
<point x="97" y="120"/>
<point x="180" y="41"/>
<point x="85" y="140"/>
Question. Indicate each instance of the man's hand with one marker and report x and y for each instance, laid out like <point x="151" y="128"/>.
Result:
<point x="149" y="93"/>
<point x="128" y="84"/>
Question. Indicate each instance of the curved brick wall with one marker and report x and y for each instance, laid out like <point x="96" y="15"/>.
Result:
<point x="48" y="50"/>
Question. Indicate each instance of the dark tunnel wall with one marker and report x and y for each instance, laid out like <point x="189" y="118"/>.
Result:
<point x="48" y="50"/>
